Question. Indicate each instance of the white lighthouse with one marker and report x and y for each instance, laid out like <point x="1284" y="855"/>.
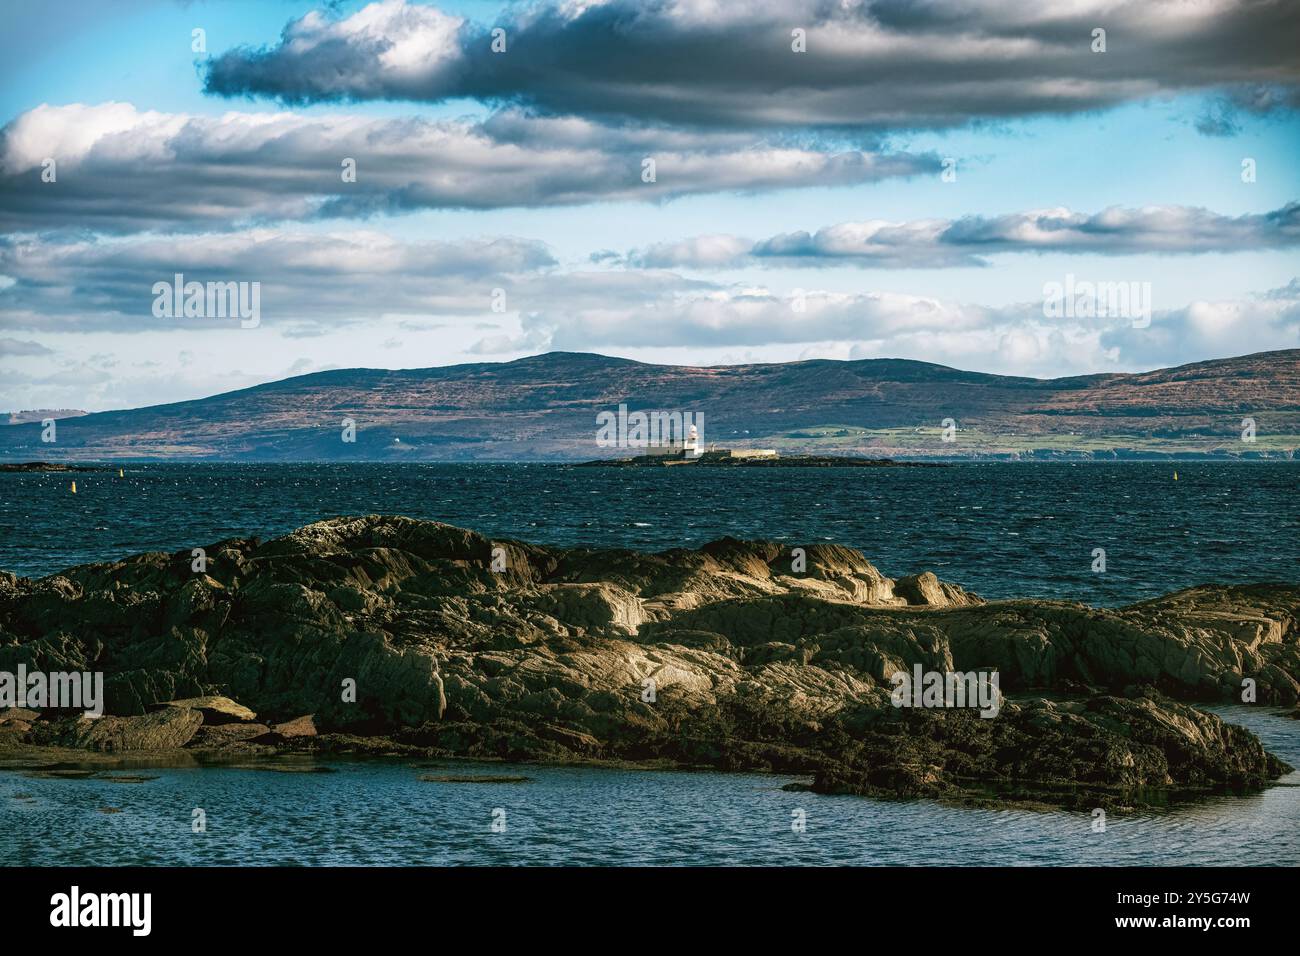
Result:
<point x="692" y="447"/>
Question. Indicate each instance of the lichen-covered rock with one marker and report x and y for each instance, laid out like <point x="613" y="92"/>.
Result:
<point x="298" y="727"/>
<point x="225" y="735"/>
<point x="164" y="729"/>
<point x="215" y="709"/>
<point x="926" y="589"/>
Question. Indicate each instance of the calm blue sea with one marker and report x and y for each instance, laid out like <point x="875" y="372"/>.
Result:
<point x="1000" y="529"/>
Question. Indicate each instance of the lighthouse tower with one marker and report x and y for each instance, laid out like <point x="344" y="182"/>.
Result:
<point x="692" y="447"/>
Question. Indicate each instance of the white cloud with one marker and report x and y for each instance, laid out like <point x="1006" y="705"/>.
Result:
<point x="123" y="170"/>
<point x="969" y="241"/>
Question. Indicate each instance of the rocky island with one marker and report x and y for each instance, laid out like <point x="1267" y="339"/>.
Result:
<point x="388" y="635"/>
<point x="771" y="460"/>
<point x="43" y="466"/>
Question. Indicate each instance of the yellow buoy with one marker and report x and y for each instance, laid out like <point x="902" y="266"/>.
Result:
<point x="1175" y="476"/>
<point x="74" y="487"/>
<point x="119" y="473"/>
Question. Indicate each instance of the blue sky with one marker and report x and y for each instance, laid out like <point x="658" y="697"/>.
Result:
<point x="74" y="288"/>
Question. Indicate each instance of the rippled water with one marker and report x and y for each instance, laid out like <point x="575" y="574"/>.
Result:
<point x="379" y="812"/>
<point x="1003" y="530"/>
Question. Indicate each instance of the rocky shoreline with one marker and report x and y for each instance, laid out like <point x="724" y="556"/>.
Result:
<point x="44" y="466"/>
<point x="782" y="461"/>
<point x="391" y="636"/>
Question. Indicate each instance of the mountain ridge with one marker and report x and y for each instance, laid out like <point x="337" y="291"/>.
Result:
<point x="544" y="407"/>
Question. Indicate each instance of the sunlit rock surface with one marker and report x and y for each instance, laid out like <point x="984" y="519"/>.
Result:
<point x="377" y="633"/>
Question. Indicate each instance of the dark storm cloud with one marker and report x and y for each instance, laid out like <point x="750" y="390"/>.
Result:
<point x="1222" y="115"/>
<point x="888" y="63"/>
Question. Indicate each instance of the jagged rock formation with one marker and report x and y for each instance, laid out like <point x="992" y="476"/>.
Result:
<point x="725" y="656"/>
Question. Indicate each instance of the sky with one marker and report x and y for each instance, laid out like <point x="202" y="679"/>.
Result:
<point x="405" y="185"/>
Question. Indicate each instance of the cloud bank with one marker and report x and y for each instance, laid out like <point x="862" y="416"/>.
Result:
<point x="968" y="241"/>
<point x="873" y="63"/>
<point x="321" y="284"/>
<point x="118" y="169"/>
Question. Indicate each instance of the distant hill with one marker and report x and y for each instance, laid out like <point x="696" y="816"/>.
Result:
<point x="545" y="407"/>
<point x="39" y="415"/>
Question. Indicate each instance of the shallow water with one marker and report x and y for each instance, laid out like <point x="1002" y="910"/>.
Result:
<point x="1002" y="530"/>
<point x="379" y="812"/>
